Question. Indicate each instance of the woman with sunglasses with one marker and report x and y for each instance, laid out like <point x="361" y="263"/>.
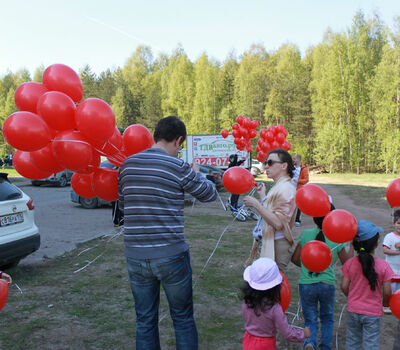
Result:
<point x="273" y="231"/>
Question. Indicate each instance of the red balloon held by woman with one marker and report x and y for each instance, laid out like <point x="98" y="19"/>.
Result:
<point x="393" y="193"/>
<point x="59" y="77"/>
<point x="394" y="303"/>
<point x="238" y="180"/>
<point x="24" y="165"/>
<point x="224" y="133"/>
<point x="57" y="110"/>
<point x="136" y="138"/>
<point x="316" y="256"/>
<point x="285" y="292"/>
<point x="3" y="293"/>
<point x="312" y="200"/>
<point x="339" y="226"/>
<point x="95" y="119"/>
<point x="26" y="131"/>
<point x="27" y="96"/>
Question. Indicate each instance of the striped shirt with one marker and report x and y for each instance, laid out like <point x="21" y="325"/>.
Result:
<point x="151" y="187"/>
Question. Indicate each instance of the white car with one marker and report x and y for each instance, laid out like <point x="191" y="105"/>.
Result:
<point x="257" y="167"/>
<point x="19" y="235"/>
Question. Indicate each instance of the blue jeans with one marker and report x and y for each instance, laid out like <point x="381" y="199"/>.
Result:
<point x="175" y="274"/>
<point x="362" y="331"/>
<point x="310" y="296"/>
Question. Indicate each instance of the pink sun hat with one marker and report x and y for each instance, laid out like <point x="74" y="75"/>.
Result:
<point x="262" y="274"/>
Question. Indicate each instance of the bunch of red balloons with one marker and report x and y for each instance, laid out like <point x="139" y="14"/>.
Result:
<point x="243" y="131"/>
<point x="272" y="138"/>
<point x="51" y="132"/>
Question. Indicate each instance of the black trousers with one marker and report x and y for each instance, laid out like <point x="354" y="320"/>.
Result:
<point x="234" y="200"/>
<point x="298" y="215"/>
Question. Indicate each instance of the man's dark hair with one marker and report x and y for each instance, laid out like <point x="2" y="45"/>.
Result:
<point x="169" y="129"/>
<point x="285" y="157"/>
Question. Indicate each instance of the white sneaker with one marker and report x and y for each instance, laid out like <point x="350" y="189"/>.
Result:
<point x="297" y="224"/>
<point x="386" y="310"/>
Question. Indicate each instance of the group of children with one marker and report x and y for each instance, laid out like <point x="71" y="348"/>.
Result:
<point x="366" y="282"/>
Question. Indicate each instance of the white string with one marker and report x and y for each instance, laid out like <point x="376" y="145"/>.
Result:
<point x="17" y="286"/>
<point x="337" y="330"/>
<point x="119" y="232"/>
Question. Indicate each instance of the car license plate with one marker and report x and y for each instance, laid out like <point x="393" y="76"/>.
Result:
<point x="12" y="219"/>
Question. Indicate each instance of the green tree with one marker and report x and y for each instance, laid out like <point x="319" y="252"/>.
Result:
<point x="89" y="82"/>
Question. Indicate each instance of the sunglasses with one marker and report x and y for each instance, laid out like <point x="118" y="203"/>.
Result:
<point x="271" y="162"/>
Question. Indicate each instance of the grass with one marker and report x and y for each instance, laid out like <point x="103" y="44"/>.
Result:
<point x="94" y="309"/>
<point x="10" y="171"/>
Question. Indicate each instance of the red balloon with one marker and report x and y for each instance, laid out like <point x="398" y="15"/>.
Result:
<point x="57" y="110"/>
<point x="3" y="293"/>
<point x="393" y="193"/>
<point x="224" y="133"/>
<point x="82" y="185"/>
<point x="60" y="77"/>
<point x="280" y="128"/>
<point x="240" y="147"/>
<point x="280" y="138"/>
<point x="242" y="143"/>
<point x="72" y="150"/>
<point x="262" y="133"/>
<point x="115" y="161"/>
<point x="95" y="119"/>
<point x="394" y="303"/>
<point x="275" y="145"/>
<point x="258" y="148"/>
<point x="246" y="123"/>
<point x="45" y="160"/>
<point x="254" y="124"/>
<point x="27" y="95"/>
<point x="238" y="180"/>
<point x="339" y="226"/>
<point x="240" y="119"/>
<point x="286" y="145"/>
<point x="105" y="183"/>
<point x="235" y="126"/>
<point x="26" y="131"/>
<point x="316" y="256"/>
<point x="136" y="138"/>
<point x="273" y="130"/>
<point x="24" y="165"/>
<point x="285" y="132"/>
<point x="265" y="147"/>
<point x="253" y="134"/>
<point x="261" y="156"/>
<point x="244" y="132"/>
<point x="236" y="141"/>
<point x="285" y="292"/>
<point x="312" y="200"/>
<point x="236" y="133"/>
<point x="93" y="165"/>
<point x="110" y="147"/>
<point x="269" y="136"/>
<point x="249" y="148"/>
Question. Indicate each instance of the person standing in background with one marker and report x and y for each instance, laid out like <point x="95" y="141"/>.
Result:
<point x="301" y="172"/>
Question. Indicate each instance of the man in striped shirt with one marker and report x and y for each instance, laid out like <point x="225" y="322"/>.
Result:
<point x="151" y="195"/>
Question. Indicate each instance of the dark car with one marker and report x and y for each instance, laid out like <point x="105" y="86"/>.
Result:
<point x="215" y="172"/>
<point x="61" y="179"/>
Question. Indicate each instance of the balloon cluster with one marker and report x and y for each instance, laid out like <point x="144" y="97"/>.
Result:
<point x="272" y="138"/>
<point x="243" y="131"/>
<point x="51" y="133"/>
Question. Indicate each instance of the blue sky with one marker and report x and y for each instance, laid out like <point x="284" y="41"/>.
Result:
<point x="104" y="34"/>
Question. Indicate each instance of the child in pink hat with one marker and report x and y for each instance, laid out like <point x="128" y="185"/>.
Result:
<point x="262" y="313"/>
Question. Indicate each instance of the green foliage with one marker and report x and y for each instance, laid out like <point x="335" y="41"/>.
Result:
<point x="340" y="102"/>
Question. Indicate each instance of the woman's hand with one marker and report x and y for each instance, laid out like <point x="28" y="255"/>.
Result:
<point x="6" y="277"/>
<point x="250" y="201"/>
<point x="261" y="190"/>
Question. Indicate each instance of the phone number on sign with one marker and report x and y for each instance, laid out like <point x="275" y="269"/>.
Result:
<point x="215" y="161"/>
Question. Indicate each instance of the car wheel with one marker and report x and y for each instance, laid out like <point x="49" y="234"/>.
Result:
<point x="88" y="203"/>
<point x="63" y="181"/>
<point x="10" y="265"/>
<point x="35" y="183"/>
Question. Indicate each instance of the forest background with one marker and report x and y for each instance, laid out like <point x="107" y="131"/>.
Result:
<point x="340" y="102"/>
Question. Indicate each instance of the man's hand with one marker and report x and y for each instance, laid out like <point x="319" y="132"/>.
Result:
<point x="196" y="167"/>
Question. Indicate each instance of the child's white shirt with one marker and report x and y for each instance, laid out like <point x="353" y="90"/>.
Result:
<point x="390" y="241"/>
